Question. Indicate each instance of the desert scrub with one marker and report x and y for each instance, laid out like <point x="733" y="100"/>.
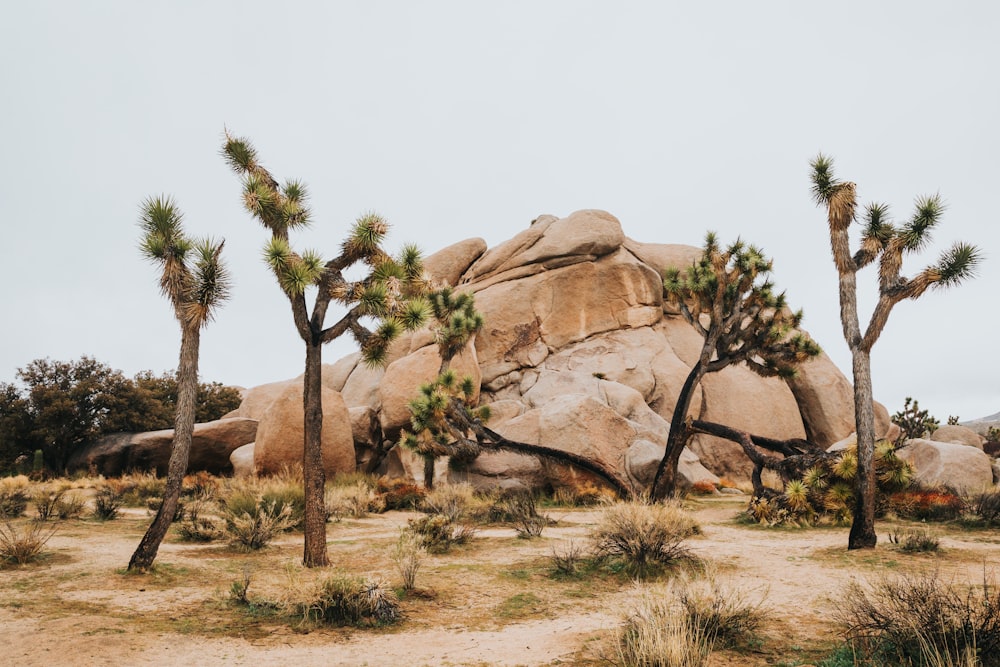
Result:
<point x="916" y="540"/>
<point x="437" y="533"/>
<point x="25" y="544"/>
<point x="582" y="494"/>
<point x="138" y="488"/>
<point x="730" y="615"/>
<point x="108" y="500"/>
<point x="567" y="560"/>
<point x="657" y="633"/>
<point x="408" y="555"/>
<point x="643" y="537"/>
<point x="399" y="494"/>
<point x="451" y="500"/>
<point x="252" y="528"/>
<point x="984" y="508"/>
<point x="198" y="525"/>
<point x="906" y="619"/>
<point x="354" y="501"/>
<point x="340" y="599"/>
<point x="927" y="505"/>
<point x="13" y="496"/>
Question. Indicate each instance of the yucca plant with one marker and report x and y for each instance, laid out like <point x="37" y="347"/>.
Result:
<point x="391" y="292"/>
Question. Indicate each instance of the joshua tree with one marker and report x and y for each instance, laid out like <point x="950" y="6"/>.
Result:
<point x="726" y="297"/>
<point x="195" y="280"/>
<point x="885" y="243"/>
<point x="390" y="293"/>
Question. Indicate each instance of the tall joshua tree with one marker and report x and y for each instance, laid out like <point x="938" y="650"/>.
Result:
<point x="887" y="244"/>
<point x="195" y="280"/>
<point x="389" y="293"/>
<point x="726" y="297"/>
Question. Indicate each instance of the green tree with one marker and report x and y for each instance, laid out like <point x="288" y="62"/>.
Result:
<point x="389" y="293"/>
<point x="194" y="279"/>
<point x="885" y="243"/>
<point x="72" y="403"/>
<point x="214" y="399"/>
<point x="726" y="296"/>
<point x="16" y="426"/>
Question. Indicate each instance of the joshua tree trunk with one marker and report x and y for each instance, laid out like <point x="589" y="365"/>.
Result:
<point x="862" y="534"/>
<point x="665" y="481"/>
<point x="187" y="392"/>
<point x="314" y="476"/>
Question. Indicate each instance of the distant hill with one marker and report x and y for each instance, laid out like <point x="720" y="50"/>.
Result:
<point x="991" y="418"/>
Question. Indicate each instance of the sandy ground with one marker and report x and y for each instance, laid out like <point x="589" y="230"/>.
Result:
<point x="91" y="615"/>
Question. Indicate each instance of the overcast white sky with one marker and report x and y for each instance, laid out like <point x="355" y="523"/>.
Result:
<point x="461" y="119"/>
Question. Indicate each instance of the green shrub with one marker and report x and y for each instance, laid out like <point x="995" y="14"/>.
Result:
<point x="108" y="500"/>
<point x="913" y="422"/>
<point x="904" y="619"/>
<point x="251" y="529"/>
<point x="24" y="545"/>
<point x="139" y="488"/>
<point x="644" y="537"/>
<point x="917" y="540"/>
<point x="985" y="507"/>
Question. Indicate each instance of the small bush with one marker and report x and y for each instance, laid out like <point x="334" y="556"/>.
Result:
<point x="108" y="500"/>
<point x="725" y="613"/>
<point x="351" y="501"/>
<point x="197" y="526"/>
<point x="399" y="494"/>
<point x="437" y="533"/>
<point x="450" y="500"/>
<point x="46" y="501"/>
<point x="703" y="488"/>
<point x="927" y="505"/>
<point x="584" y="494"/>
<point x="655" y="633"/>
<point x="253" y="529"/>
<point x="24" y="545"/>
<point x="342" y="599"/>
<point x="914" y="541"/>
<point x="566" y="562"/>
<point x="408" y="556"/>
<point x="153" y="505"/>
<point x="71" y="505"/>
<point x="986" y="507"/>
<point x="139" y="487"/>
<point x="644" y="537"/>
<point x="904" y="619"/>
<point x="913" y="422"/>
<point x="13" y="496"/>
<point x="201" y="485"/>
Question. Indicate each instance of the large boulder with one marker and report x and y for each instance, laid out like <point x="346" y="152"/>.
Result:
<point x="959" y="435"/>
<point x="242" y="461"/>
<point x="281" y="433"/>
<point x="211" y="445"/>
<point x="579" y="352"/>
<point x="959" y="467"/>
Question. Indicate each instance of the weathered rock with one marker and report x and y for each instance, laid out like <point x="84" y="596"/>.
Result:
<point x="825" y="399"/>
<point x="211" y="445"/>
<point x="959" y="435"/>
<point x="643" y="458"/>
<point x="959" y="467"/>
<point x="742" y="400"/>
<point x="403" y="378"/>
<point x="448" y="264"/>
<point x="996" y="471"/>
<point x="242" y="461"/>
<point x="281" y="433"/>
<point x="258" y="399"/>
<point x="361" y="388"/>
<point x="661" y="256"/>
<point x="501" y="470"/>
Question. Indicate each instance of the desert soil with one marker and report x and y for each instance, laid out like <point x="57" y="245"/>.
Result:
<point x="492" y="602"/>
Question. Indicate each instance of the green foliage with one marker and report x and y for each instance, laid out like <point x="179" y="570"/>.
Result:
<point x="251" y="527"/>
<point x="198" y="525"/>
<point x="747" y="321"/>
<point x="907" y="619"/>
<point x="825" y="494"/>
<point x="643" y="537"/>
<point x="108" y="500"/>
<point x="993" y="434"/>
<point x="985" y="507"/>
<point x="914" y="422"/>
<point x="953" y="420"/>
<point x="343" y="599"/>
<point x="213" y="401"/>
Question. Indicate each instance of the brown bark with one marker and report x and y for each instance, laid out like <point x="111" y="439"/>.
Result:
<point x="314" y="526"/>
<point x="665" y="480"/>
<point x="862" y="535"/>
<point x="187" y="392"/>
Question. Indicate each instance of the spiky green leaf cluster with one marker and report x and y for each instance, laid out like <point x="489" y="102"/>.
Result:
<point x="746" y="320"/>
<point x="193" y="275"/>
<point x="457" y="319"/>
<point x="434" y="431"/>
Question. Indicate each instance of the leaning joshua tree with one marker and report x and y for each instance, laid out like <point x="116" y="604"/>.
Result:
<point x="196" y="282"/>
<point x="727" y="298"/>
<point x="885" y="243"/>
<point x="389" y="294"/>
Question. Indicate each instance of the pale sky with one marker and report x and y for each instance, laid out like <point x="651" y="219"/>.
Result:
<point x="462" y="119"/>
